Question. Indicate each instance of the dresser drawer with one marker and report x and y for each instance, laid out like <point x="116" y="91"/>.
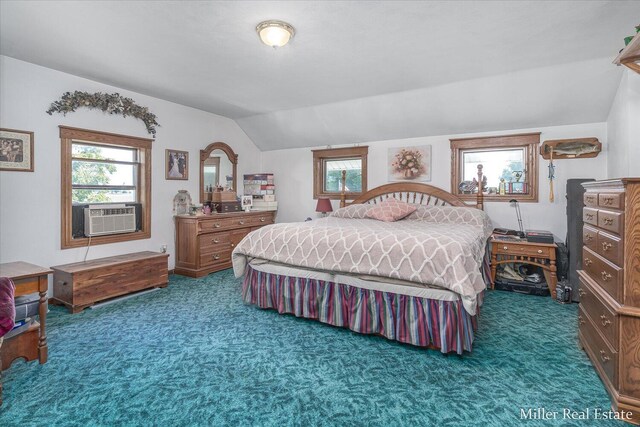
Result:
<point x="262" y="220"/>
<point x="215" y="242"/>
<point x="610" y="247"/>
<point x="211" y="242"/>
<point x="611" y="200"/>
<point x="591" y="199"/>
<point x="611" y="221"/>
<point x="215" y="258"/>
<point x="605" y="320"/>
<point x="601" y="354"/>
<point x="225" y="223"/>
<point x="590" y="237"/>
<point x="603" y="273"/>
<point x="590" y="216"/>
<point x="515" y="248"/>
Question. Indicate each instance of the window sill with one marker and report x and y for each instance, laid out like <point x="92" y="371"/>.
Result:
<point x="526" y="198"/>
<point x="337" y="196"/>
<point x="103" y="240"/>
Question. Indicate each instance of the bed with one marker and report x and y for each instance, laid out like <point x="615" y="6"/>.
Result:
<point x="419" y="280"/>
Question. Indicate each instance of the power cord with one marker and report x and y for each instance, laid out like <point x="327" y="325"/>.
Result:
<point x="87" y="251"/>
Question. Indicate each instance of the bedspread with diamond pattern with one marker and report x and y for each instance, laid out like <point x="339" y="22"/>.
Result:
<point x="446" y="254"/>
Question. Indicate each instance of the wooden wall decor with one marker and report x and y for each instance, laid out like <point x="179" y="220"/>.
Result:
<point x="630" y="55"/>
<point x="574" y="148"/>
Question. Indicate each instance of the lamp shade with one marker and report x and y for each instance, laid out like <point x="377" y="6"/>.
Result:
<point x="324" y="205"/>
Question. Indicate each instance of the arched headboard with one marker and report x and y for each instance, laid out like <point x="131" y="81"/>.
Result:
<point x="416" y="193"/>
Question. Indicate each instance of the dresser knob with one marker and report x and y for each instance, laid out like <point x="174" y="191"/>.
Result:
<point x="589" y="216"/>
<point x="581" y="292"/>
<point x="607" y="221"/>
<point x="216" y="240"/>
<point x="232" y="245"/>
<point x="604" y="357"/>
<point x="262" y="220"/>
<point x="216" y="225"/>
<point x="505" y="248"/>
<point x="241" y="222"/>
<point x="588" y="237"/>
<point x="587" y="262"/>
<point x="216" y="256"/>
<point x="581" y="320"/>
<point x="604" y="320"/>
<point x="606" y="246"/>
<point x="608" y="200"/>
<point x="539" y="251"/>
<point x="605" y="276"/>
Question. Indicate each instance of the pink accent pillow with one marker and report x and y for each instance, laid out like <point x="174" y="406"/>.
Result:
<point x="390" y="210"/>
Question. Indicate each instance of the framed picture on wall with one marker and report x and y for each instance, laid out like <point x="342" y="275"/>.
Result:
<point x="409" y="163"/>
<point x="16" y="150"/>
<point x="176" y="164"/>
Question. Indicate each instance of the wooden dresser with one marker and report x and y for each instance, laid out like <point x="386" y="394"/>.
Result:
<point x="609" y="317"/>
<point x="204" y="243"/>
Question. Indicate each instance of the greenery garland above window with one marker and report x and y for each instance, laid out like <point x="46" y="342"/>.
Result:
<point x="112" y="103"/>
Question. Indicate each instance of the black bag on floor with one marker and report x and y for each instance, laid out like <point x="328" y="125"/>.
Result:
<point x="562" y="261"/>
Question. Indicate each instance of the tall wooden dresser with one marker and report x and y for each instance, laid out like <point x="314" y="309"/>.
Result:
<point x="609" y="318"/>
<point x="204" y="243"/>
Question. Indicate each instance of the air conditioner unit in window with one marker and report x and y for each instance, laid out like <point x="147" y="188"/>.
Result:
<point x="109" y="219"/>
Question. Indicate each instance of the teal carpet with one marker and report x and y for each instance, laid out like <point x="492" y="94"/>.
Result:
<point x="194" y="354"/>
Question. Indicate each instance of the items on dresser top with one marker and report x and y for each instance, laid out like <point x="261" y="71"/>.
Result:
<point x="261" y="187"/>
<point x="204" y="243"/>
<point x="82" y="284"/>
<point x="609" y="316"/>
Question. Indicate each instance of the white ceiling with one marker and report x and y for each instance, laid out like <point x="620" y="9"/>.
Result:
<point x="356" y="71"/>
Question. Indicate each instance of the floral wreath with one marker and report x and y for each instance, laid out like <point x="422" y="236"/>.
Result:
<point x="113" y="103"/>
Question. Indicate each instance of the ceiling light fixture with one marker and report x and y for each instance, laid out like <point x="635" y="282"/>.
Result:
<point x="275" y="33"/>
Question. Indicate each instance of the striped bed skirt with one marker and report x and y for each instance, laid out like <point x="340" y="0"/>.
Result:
<point x="422" y="322"/>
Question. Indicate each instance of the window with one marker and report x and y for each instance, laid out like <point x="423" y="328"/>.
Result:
<point x="328" y="166"/>
<point x="510" y="166"/>
<point x="99" y="167"/>
<point x="103" y="174"/>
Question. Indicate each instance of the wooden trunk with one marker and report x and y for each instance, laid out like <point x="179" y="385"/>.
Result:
<point x="82" y="284"/>
<point x="204" y="243"/>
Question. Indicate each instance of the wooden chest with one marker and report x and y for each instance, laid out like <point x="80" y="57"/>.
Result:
<point x="609" y="316"/>
<point x="204" y="243"/>
<point x="82" y="284"/>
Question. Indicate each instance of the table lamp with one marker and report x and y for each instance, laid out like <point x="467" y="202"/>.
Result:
<point x="324" y="206"/>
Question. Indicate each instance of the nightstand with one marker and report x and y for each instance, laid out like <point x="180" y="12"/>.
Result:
<point x="523" y="252"/>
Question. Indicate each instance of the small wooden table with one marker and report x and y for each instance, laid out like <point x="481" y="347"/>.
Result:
<point x="523" y="252"/>
<point x="32" y="344"/>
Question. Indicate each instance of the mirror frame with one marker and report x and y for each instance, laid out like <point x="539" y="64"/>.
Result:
<point x="206" y="153"/>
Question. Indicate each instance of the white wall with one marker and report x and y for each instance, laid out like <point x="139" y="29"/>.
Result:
<point x="30" y="201"/>
<point x="293" y="169"/>
<point x="623" y="128"/>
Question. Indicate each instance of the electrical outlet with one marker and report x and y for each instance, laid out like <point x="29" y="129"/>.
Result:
<point x="163" y="249"/>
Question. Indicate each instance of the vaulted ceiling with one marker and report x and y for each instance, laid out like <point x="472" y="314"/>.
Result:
<point x="356" y="71"/>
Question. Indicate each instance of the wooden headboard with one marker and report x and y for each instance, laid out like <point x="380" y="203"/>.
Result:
<point x="412" y="192"/>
